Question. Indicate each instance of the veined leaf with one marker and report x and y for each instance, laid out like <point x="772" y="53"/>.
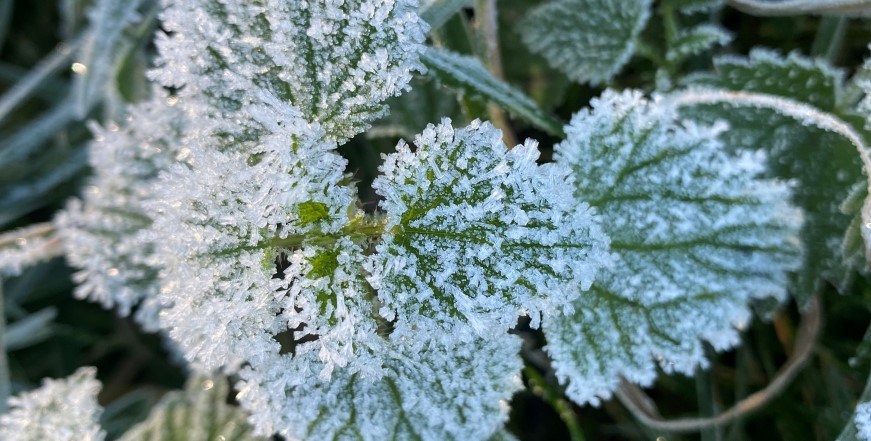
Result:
<point x="478" y="234"/>
<point x="468" y="75"/>
<point x="695" y="236"/>
<point x="62" y="410"/>
<point x="823" y="165"/>
<point x="589" y="40"/>
<point x="697" y="40"/>
<point x="336" y="61"/>
<point x="199" y="413"/>
<point x="440" y="389"/>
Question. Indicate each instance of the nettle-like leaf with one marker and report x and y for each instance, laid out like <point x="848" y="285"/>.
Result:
<point x="823" y="164"/>
<point x="199" y="413"/>
<point x="251" y="247"/>
<point x="695" y="236"/>
<point x="61" y="410"/>
<point x="441" y="389"/>
<point x="477" y="233"/>
<point x="588" y="40"/>
<point x="104" y="232"/>
<point x="696" y="40"/>
<point x="336" y="60"/>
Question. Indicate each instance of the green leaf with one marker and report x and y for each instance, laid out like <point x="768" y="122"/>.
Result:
<point x="696" y="40"/>
<point x="849" y="8"/>
<point x="468" y="75"/>
<point x="438" y="12"/>
<point x="199" y="413"/>
<point x="589" y="40"/>
<point x="695" y="236"/>
<point x="479" y="234"/>
<point x="108" y="18"/>
<point x="311" y="212"/>
<point x="823" y="166"/>
<point x="433" y="389"/>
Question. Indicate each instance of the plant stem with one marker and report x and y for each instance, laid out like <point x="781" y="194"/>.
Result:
<point x="829" y="38"/>
<point x="486" y="17"/>
<point x="543" y="390"/>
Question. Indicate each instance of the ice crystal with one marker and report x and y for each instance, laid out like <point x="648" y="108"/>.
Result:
<point x="478" y="234"/>
<point x="203" y="408"/>
<point x="104" y="232"/>
<point x="443" y="389"/>
<point x="27" y="246"/>
<point x="862" y="419"/>
<point x="252" y="247"/>
<point x="589" y="40"/>
<point x="60" y="410"/>
<point x="695" y="236"/>
<point x="335" y="60"/>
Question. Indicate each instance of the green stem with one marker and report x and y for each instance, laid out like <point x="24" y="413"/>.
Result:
<point x="357" y="230"/>
<point x="546" y="392"/>
<point x="829" y="38"/>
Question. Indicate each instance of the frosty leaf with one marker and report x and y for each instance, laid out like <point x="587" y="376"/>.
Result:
<point x="849" y="8"/>
<point x="337" y="61"/>
<point x="468" y="75"/>
<point x="808" y="80"/>
<point x="199" y="413"/>
<point x="27" y="246"/>
<point x="411" y="112"/>
<point x="695" y="236"/>
<point x="589" y="40"/>
<point x="60" y="410"/>
<point x="478" y="234"/>
<point x="437" y="12"/>
<point x="108" y="19"/>
<point x="430" y="391"/>
<point x="104" y="233"/>
<point x="254" y="253"/>
<point x="696" y="40"/>
<point x="823" y="164"/>
<point x="693" y="6"/>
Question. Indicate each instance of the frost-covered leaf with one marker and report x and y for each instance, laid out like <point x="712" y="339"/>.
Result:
<point x="694" y="6"/>
<point x="694" y="235"/>
<point x="59" y="410"/>
<point x="437" y="390"/>
<point x="253" y="248"/>
<point x="108" y="18"/>
<point x="849" y="8"/>
<point x="437" y="12"/>
<point x="478" y="234"/>
<point x="468" y="75"/>
<point x="104" y="233"/>
<point x="696" y="40"/>
<point x="589" y="40"/>
<point x="824" y="165"/>
<point x="336" y="61"/>
<point x="199" y="413"/>
<point x="27" y="246"/>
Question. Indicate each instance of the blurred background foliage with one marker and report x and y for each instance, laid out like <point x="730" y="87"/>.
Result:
<point x="47" y="102"/>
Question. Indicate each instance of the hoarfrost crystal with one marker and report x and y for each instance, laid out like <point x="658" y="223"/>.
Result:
<point x="104" y="232"/>
<point x="60" y="410"/>
<point x="478" y="234"/>
<point x="695" y="236"/>
<point x="336" y="60"/>
<point x="440" y="390"/>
